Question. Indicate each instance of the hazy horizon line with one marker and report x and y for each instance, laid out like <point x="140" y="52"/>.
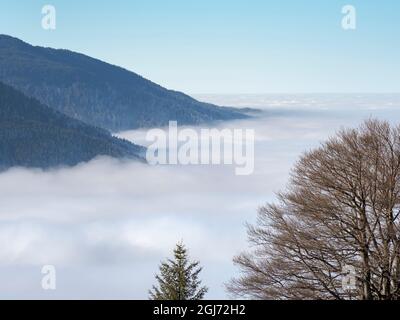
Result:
<point x="295" y="93"/>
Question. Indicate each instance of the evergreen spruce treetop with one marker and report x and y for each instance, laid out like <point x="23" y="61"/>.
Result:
<point x="179" y="278"/>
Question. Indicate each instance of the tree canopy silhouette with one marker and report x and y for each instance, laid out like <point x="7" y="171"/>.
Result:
<point x="340" y="212"/>
<point x="179" y="278"/>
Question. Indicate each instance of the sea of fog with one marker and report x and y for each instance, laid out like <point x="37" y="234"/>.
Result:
<point x="106" y="225"/>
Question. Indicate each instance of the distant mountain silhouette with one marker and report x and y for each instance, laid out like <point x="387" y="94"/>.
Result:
<point x="34" y="135"/>
<point x="96" y="92"/>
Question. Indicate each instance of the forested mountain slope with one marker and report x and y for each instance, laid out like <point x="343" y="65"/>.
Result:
<point x="96" y="92"/>
<point x="34" y="135"/>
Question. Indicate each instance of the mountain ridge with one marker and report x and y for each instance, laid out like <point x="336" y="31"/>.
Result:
<point x="99" y="93"/>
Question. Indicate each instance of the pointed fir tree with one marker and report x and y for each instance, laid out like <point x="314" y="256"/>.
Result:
<point x="179" y="278"/>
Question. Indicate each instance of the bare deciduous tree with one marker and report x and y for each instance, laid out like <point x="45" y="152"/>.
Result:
<point x="341" y="208"/>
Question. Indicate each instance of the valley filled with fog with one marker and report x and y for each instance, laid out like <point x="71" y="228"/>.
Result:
<point x="105" y="225"/>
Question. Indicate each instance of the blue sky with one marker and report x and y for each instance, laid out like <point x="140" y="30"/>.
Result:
<point x="227" y="46"/>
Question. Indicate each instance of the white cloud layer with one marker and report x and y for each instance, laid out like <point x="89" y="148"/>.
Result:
<point x="106" y="224"/>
